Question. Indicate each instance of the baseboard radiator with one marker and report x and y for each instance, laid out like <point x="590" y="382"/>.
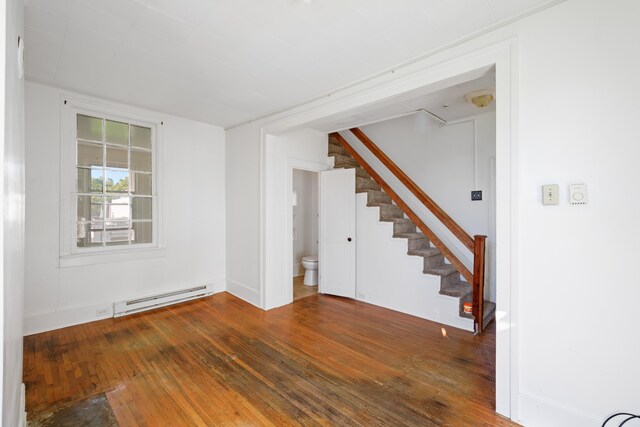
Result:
<point x="124" y="308"/>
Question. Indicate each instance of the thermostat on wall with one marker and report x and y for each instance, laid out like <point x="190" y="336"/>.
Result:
<point x="578" y="194"/>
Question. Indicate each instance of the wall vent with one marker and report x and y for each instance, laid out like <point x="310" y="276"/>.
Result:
<point x="124" y="308"/>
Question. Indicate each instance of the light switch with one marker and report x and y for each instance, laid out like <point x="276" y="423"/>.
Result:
<point x="550" y="194"/>
<point x="578" y="194"/>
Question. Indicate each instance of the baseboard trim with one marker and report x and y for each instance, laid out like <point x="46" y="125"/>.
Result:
<point x="244" y="292"/>
<point x="537" y="411"/>
<point x="70" y="316"/>
<point x="23" y="407"/>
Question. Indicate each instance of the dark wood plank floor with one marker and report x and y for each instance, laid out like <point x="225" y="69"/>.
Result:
<point x="220" y="361"/>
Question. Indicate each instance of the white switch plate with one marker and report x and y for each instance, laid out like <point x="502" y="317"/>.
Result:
<point x="578" y="194"/>
<point x="550" y="194"/>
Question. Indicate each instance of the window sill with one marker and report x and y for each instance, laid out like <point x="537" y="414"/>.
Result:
<point x="107" y="257"/>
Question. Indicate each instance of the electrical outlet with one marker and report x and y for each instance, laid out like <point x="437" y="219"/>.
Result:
<point x="102" y="312"/>
<point x="476" y="195"/>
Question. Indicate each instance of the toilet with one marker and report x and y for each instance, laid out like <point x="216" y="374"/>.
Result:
<point x="310" y="263"/>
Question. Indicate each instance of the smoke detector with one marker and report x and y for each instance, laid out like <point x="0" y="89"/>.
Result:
<point x="480" y="98"/>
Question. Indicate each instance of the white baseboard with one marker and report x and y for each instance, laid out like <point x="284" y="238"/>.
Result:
<point x="278" y="302"/>
<point x="536" y="411"/>
<point x="23" y="408"/>
<point x="244" y="292"/>
<point x="70" y="316"/>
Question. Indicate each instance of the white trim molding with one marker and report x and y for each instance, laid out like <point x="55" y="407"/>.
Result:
<point x="244" y="292"/>
<point x="458" y="64"/>
<point x="70" y="256"/>
<point x="542" y="412"/>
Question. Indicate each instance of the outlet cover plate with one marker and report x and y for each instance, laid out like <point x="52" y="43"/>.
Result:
<point x="476" y="195"/>
<point x="102" y="312"/>
<point x="550" y="194"/>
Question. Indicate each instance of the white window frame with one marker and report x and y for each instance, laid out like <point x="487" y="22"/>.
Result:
<point x="70" y="254"/>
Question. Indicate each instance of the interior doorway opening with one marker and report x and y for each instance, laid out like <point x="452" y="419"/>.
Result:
<point x="434" y="74"/>
<point x="304" y="232"/>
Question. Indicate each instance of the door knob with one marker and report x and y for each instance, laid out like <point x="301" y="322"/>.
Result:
<point x="348" y="239"/>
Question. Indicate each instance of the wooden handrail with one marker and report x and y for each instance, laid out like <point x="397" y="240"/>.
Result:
<point x="459" y="266"/>
<point x="417" y="191"/>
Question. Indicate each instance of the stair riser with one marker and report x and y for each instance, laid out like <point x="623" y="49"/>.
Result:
<point x="363" y="184"/>
<point x="432" y="261"/>
<point x="389" y="212"/>
<point x="377" y="197"/>
<point x="404" y="227"/>
<point x="337" y="149"/>
<point x="449" y="279"/>
<point x="361" y="173"/>
<point x="333" y="140"/>
<point x="417" y="243"/>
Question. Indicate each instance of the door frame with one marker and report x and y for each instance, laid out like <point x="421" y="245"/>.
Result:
<point x="422" y="74"/>
<point x="305" y="165"/>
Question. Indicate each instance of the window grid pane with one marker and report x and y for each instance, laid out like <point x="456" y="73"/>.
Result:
<point x="115" y="202"/>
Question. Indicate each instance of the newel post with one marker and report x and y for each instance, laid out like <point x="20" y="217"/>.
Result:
<point x="479" y="243"/>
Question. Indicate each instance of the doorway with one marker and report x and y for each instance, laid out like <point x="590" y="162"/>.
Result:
<point x="304" y="232"/>
<point x="425" y="76"/>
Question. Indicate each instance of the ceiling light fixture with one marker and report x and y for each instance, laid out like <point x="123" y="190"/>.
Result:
<point x="480" y="98"/>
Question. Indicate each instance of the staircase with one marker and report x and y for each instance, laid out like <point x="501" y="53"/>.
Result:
<point x="417" y="243"/>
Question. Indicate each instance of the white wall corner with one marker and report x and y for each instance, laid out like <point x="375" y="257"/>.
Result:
<point x="219" y="286"/>
<point x="244" y="292"/>
<point x="536" y="411"/>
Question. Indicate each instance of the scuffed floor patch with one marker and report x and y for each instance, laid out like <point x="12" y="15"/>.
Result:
<point x="92" y="412"/>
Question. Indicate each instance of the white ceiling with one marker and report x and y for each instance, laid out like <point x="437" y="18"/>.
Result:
<point x="228" y="61"/>
<point x="452" y="96"/>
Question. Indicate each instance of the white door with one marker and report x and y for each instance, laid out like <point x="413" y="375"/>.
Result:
<point x="337" y="260"/>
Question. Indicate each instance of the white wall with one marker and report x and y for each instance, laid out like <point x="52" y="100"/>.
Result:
<point x="447" y="162"/>
<point x="386" y="276"/>
<point x="13" y="219"/>
<point x="243" y="207"/>
<point x="574" y="277"/>
<point x="193" y="222"/>
<point x="306" y="149"/>
<point x="576" y="368"/>
<point x="305" y="218"/>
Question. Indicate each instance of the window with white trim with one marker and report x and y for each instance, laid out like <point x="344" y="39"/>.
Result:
<point x="113" y="195"/>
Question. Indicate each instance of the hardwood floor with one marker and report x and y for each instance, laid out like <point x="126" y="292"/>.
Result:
<point x="220" y="361"/>
<point x="300" y="290"/>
